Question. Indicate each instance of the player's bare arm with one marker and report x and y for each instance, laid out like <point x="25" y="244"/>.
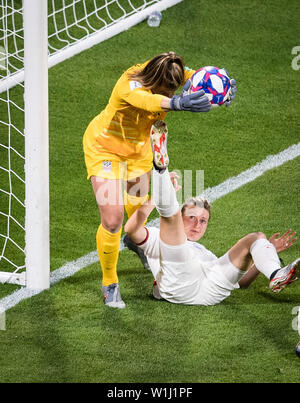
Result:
<point x="135" y="224"/>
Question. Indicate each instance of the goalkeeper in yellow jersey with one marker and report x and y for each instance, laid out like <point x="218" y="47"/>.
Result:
<point x="117" y="149"/>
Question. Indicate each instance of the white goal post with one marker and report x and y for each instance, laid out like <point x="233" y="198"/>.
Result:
<point x="34" y="36"/>
<point x="36" y="203"/>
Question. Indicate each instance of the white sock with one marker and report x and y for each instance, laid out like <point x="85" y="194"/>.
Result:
<point x="265" y="256"/>
<point x="164" y="194"/>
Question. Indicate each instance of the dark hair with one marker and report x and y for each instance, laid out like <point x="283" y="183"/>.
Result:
<point x="164" y="70"/>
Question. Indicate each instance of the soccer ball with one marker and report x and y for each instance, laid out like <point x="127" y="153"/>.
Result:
<point x="214" y="81"/>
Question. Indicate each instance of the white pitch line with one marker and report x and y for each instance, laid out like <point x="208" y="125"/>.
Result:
<point x="272" y="161"/>
<point x="212" y="194"/>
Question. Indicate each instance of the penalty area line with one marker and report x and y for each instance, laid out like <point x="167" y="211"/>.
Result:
<point x="212" y="194"/>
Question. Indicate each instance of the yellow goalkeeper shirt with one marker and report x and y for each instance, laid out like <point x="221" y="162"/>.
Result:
<point x="123" y="127"/>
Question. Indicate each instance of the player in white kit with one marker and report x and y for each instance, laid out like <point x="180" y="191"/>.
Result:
<point x="185" y="272"/>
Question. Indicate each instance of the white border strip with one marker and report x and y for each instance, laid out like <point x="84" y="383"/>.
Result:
<point x="211" y="194"/>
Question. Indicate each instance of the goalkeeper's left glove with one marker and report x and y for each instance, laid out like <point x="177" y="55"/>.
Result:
<point x="232" y="92"/>
<point x="192" y="102"/>
<point x="186" y="88"/>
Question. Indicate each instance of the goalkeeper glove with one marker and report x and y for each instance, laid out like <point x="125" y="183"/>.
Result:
<point x="232" y="92"/>
<point x="186" y="88"/>
<point x="194" y="102"/>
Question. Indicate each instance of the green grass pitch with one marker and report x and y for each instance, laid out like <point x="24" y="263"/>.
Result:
<point x="66" y="334"/>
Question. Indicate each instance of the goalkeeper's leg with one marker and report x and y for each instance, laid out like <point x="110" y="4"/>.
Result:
<point x="108" y="194"/>
<point x="135" y="195"/>
<point x="136" y="190"/>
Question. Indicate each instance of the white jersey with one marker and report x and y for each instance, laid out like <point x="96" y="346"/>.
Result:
<point x="203" y="254"/>
<point x="189" y="273"/>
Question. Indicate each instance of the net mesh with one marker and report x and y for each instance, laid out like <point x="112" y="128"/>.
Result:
<point x="69" y="22"/>
<point x="12" y="181"/>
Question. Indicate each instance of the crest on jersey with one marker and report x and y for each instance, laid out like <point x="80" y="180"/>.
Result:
<point x="134" y="84"/>
<point x="107" y="166"/>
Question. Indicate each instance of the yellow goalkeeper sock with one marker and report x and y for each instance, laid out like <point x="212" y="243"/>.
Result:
<point x="108" y="245"/>
<point x="132" y="203"/>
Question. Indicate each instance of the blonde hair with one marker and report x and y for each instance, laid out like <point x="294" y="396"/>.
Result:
<point x="164" y="70"/>
<point x="196" y="202"/>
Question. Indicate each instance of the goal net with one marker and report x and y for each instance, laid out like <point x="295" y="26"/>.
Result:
<point x="34" y="36"/>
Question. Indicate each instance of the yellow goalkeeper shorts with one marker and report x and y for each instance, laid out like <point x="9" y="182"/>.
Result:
<point x="111" y="166"/>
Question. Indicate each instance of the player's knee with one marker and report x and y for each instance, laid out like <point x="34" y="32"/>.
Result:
<point x="249" y="239"/>
<point x="253" y="237"/>
<point x="260" y="235"/>
<point x="113" y="222"/>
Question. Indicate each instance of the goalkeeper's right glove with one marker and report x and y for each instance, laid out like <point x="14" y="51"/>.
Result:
<point x="194" y="102"/>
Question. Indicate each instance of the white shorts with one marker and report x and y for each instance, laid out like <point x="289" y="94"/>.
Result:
<point x="187" y="275"/>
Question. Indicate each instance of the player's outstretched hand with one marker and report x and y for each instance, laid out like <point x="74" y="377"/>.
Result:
<point x="194" y="102"/>
<point x="284" y="241"/>
<point x="232" y="92"/>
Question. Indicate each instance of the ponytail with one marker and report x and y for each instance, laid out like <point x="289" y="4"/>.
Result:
<point x="164" y="70"/>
